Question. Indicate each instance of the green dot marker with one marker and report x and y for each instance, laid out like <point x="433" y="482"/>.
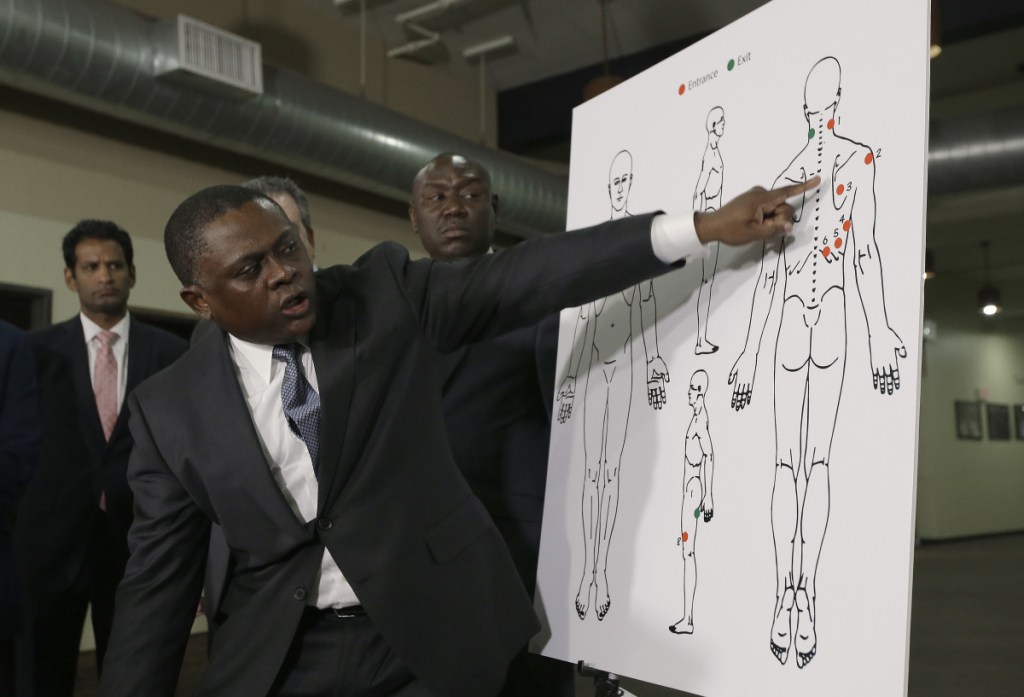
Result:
<point x="732" y="64"/>
<point x="810" y="134"/>
<point x="696" y="513"/>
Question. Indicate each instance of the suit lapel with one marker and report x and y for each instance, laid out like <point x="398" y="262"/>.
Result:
<point x="141" y="360"/>
<point x="78" y="359"/>
<point x="140" y="356"/>
<point x="217" y="395"/>
<point x="333" y="345"/>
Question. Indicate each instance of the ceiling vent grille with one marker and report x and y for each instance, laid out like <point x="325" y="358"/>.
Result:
<point x="197" y="52"/>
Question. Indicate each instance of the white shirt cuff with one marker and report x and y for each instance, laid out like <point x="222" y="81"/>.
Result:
<point x="674" y="237"/>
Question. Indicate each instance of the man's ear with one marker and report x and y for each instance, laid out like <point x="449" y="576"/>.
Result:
<point x="195" y="298"/>
<point x="494" y="204"/>
<point x="69" y="280"/>
<point x="131" y="276"/>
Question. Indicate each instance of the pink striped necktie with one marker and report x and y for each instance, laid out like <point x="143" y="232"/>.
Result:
<point x="104" y="382"/>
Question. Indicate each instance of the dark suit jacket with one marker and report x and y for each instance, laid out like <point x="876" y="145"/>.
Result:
<point x="497" y="398"/>
<point x="19" y="447"/>
<point x="417" y="546"/>
<point x="58" y="512"/>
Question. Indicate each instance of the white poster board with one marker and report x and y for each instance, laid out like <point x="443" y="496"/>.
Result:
<point x="782" y="462"/>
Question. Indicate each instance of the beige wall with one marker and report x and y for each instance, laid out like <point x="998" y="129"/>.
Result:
<point x="56" y="175"/>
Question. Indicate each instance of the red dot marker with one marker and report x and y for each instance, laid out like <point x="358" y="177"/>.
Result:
<point x="682" y="88"/>
<point x="686" y="536"/>
<point x="831" y="124"/>
<point x="825" y="252"/>
<point x="839" y="242"/>
<point x="840" y="189"/>
<point x="869" y="158"/>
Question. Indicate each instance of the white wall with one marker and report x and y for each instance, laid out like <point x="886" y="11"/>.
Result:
<point x="968" y="487"/>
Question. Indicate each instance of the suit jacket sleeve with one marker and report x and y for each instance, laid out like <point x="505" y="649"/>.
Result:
<point x="20" y="428"/>
<point x="464" y="302"/>
<point x="161" y="586"/>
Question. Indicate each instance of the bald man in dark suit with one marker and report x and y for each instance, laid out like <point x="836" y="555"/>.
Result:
<point x="497" y="394"/>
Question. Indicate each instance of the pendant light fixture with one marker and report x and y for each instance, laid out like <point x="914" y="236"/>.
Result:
<point x="990" y="301"/>
<point x="936" y="43"/>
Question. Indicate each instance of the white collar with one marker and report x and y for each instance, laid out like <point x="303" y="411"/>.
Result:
<point x="91" y="329"/>
<point x="260" y="357"/>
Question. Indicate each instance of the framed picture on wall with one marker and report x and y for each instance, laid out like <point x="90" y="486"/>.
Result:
<point x="998" y="416"/>
<point x="1018" y="420"/>
<point x="968" y="420"/>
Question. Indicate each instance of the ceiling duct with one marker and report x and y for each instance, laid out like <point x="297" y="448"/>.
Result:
<point x="976" y="151"/>
<point x="196" y="52"/>
<point x="104" y="57"/>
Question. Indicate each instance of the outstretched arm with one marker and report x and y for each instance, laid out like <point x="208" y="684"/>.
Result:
<point x="741" y="377"/>
<point x="707" y="473"/>
<point x="657" y="371"/>
<point x="567" y="391"/>
<point x="884" y="344"/>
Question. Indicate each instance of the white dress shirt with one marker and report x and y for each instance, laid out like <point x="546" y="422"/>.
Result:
<point x="260" y="377"/>
<point x="674" y="237"/>
<point x="118" y="347"/>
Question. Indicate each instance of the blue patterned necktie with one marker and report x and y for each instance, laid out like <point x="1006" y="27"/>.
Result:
<point x="301" y="402"/>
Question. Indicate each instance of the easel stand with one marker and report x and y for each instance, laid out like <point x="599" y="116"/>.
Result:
<point x="605" y="684"/>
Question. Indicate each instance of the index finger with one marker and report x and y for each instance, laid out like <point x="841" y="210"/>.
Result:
<point x="784" y="192"/>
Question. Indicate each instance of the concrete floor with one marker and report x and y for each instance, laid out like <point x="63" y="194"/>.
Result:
<point x="967" y="626"/>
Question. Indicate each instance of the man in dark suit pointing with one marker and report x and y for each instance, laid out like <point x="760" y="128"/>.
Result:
<point x="311" y="429"/>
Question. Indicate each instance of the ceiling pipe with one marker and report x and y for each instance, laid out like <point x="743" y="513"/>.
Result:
<point x="100" y="56"/>
<point x="976" y="151"/>
<point x="429" y="39"/>
<point x="430" y="9"/>
<point x="410" y="21"/>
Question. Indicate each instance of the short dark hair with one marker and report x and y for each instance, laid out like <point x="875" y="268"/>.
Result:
<point x="95" y="230"/>
<point x="184" y="240"/>
<point x="283" y="185"/>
